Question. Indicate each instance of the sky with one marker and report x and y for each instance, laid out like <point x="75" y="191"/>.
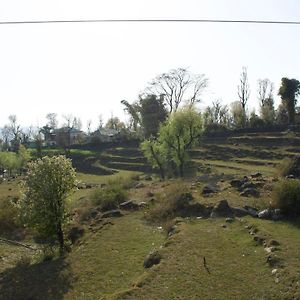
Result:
<point x="87" y="69"/>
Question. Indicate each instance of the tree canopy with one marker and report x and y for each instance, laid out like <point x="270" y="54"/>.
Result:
<point x="47" y="185"/>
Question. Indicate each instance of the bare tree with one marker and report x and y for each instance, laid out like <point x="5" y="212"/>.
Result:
<point x="244" y="92"/>
<point x="178" y="86"/>
<point x="101" y="122"/>
<point x="265" y="90"/>
<point x="88" y="126"/>
<point x="52" y="120"/>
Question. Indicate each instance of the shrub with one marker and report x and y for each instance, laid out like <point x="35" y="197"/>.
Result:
<point x="169" y="205"/>
<point x="287" y="196"/>
<point x="290" y="166"/>
<point x="9" y="219"/>
<point x="110" y="196"/>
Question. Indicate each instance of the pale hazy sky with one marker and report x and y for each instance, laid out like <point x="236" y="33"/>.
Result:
<point x="87" y="69"/>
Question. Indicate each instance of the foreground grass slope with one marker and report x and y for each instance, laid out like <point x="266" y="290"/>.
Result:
<point x="107" y="262"/>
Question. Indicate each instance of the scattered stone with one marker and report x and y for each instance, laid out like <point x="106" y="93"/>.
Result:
<point x="260" y="240"/>
<point x="265" y="214"/>
<point x="277" y="280"/>
<point x="208" y="189"/>
<point x="142" y="204"/>
<point x="252" y="211"/>
<point x="153" y="258"/>
<point x="248" y="185"/>
<point x="81" y="186"/>
<point x="129" y="205"/>
<point x="250" y="192"/>
<point x="253" y="231"/>
<point x="150" y="194"/>
<point x="221" y="209"/>
<point x="236" y="183"/>
<point x="272" y="260"/>
<point x="256" y="175"/>
<point x="139" y="185"/>
<point x="229" y="220"/>
<point x="239" y="212"/>
<point x="274" y="271"/>
<point x="273" y="243"/>
<point x="270" y="249"/>
<point x="112" y="213"/>
<point x="89" y="186"/>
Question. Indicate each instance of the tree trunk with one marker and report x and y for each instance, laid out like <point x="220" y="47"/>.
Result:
<point x="181" y="169"/>
<point x="60" y="237"/>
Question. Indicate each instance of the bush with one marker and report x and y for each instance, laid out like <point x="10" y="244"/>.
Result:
<point x="290" y="166"/>
<point x="175" y="199"/>
<point x="110" y="196"/>
<point x="9" y="219"/>
<point x="287" y="197"/>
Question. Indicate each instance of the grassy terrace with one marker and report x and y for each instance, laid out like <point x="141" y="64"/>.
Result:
<point x="107" y="262"/>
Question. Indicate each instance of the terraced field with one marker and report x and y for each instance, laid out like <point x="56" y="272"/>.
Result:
<point x="107" y="261"/>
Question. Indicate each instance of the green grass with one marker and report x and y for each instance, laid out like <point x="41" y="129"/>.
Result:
<point x="237" y="266"/>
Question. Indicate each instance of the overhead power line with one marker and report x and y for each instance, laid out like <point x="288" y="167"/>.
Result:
<point x="149" y="21"/>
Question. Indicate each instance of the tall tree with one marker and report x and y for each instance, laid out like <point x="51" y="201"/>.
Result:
<point x="52" y="121"/>
<point x="244" y="93"/>
<point x="178" y="86"/>
<point x="176" y="136"/>
<point x="48" y="183"/>
<point x="153" y="113"/>
<point x="133" y="110"/>
<point x="266" y="100"/>
<point x="288" y="91"/>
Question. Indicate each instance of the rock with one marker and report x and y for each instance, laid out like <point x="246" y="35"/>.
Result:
<point x="290" y="176"/>
<point x="221" y="209"/>
<point x="75" y="233"/>
<point x="129" y="205"/>
<point x="81" y="186"/>
<point x="253" y="231"/>
<point x="148" y="178"/>
<point x="251" y="211"/>
<point x="208" y="189"/>
<point x="256" y="175"/>
<point x="248" y="185"/>
<point x="250" y="192"/>
<point x="239" y="212"/>
<point x="229" y="220"/>
<point x="89" y="186"/>
<point x="277" y="215"/>
<point x="272" y="260"/>
<point x="150" y="194"/>
<point x="224" y="225"/>
<point x="139" y="185"/>
<point x="142" y="204"/>
<point x="236" y="183"/>
<point x="265" y="214"/>
<point x="273" y="243"/>
<point x="112" y="213"/>
<point x="274" y="271"/>
<point x="153" y="258"/>
<point x="270" y="249"/>
<point x="260" y="240"/>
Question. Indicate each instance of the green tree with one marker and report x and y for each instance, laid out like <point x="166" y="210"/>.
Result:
<point x="23" y="156"/>
<point x="155" y="153"/>
<point x="153" y="113"/>
<point x="288" y="91"/>
<point x="176" y="136"/>
<point x="47" y="185"/>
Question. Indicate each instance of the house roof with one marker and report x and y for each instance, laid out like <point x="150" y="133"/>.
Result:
<point x="106" y="132"/>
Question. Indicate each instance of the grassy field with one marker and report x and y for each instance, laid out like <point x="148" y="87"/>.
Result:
<point x="107" y="262"/>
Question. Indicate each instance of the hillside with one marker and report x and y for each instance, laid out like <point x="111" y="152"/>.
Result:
<point x="106" y="262"/>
